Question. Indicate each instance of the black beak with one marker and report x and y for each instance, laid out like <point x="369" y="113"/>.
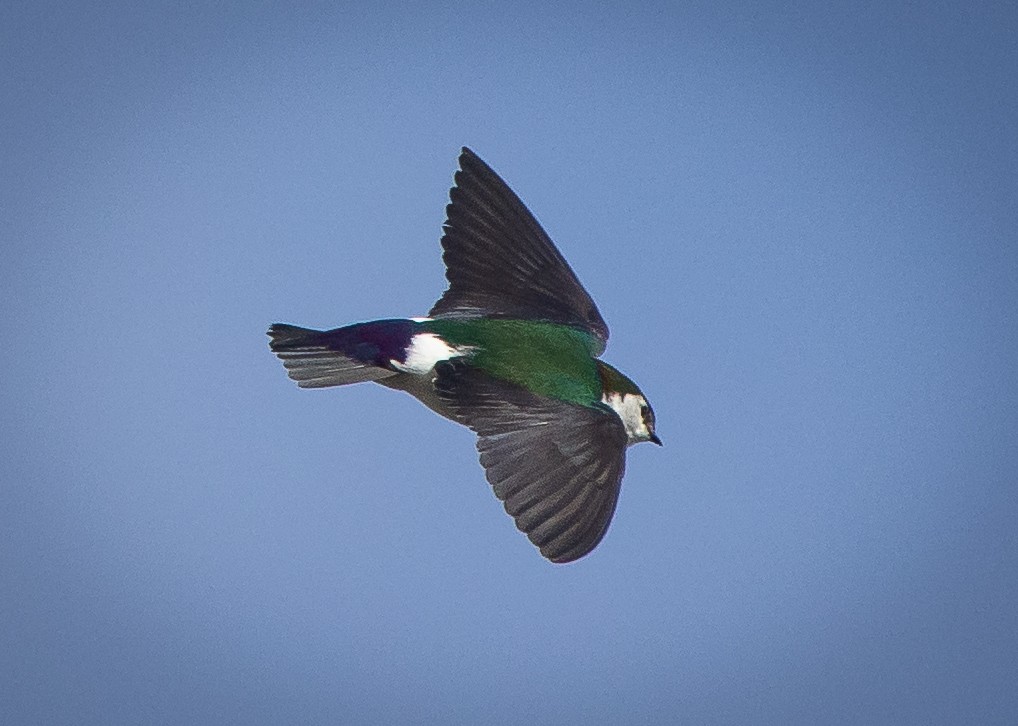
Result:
<point x="655" y="440"/>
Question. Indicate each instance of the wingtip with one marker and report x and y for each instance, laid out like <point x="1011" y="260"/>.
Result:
<point x="469" y="158"/>
<point x="572" y="552"/>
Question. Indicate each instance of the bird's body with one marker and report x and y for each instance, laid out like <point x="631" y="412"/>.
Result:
<point x="510" y="350"/>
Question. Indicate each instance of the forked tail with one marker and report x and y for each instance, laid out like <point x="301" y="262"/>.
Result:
<point x="317" y="359"/>
<point x="352" y="354"/>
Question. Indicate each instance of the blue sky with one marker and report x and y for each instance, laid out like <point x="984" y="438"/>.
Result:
<point x="798" y="220"/>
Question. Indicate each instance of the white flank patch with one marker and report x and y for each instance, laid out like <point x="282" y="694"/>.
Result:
<point x="426" y="349"/>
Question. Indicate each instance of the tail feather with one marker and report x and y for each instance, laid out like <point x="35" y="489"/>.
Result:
<point x="311" y="358"/>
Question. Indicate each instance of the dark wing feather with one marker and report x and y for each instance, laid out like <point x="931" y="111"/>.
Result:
<point x="500" y="263"/>
<point x="556" y="466"/>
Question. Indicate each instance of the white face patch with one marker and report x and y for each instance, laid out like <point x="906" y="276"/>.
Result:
<point x="424" y="351"/>
<point x="633" y="410"/>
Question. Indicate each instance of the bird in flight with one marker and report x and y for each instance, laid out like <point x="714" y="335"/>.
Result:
<point x="511" y="351"/>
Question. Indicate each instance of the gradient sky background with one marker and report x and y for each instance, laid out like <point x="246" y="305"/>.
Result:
<point x="799" y="221"/>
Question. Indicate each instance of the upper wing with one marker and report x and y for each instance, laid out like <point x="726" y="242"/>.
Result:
<point x="500" y="263"/>
<point x="556" y="466"/>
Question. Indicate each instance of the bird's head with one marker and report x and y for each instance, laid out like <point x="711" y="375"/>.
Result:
<point x="625" y="398"/>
